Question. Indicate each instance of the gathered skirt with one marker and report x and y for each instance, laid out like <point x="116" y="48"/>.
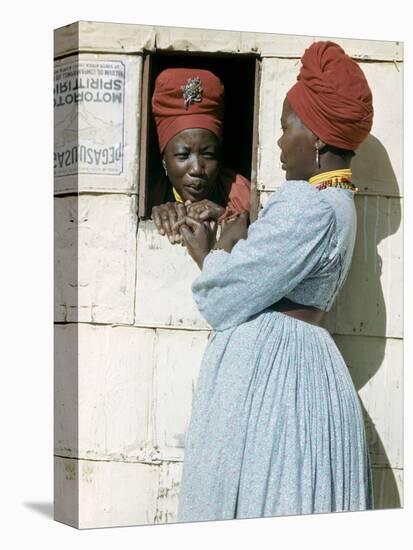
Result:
<point x="276" y="426"/>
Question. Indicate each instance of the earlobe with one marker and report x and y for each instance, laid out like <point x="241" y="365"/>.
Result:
<point x="320" y="144"/>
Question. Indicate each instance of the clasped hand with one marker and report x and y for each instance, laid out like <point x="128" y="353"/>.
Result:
<point x="200" y="236"/>
<point x="194" y="225"/>
<point x="166" y="216"/>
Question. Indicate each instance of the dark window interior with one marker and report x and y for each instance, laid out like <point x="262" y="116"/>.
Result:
<point x="237" y="73"/>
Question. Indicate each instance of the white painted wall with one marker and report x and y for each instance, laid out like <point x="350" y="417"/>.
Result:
<point x="129" y="338"/>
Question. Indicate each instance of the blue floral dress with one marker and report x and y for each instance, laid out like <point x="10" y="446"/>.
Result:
<point x="276" y="425"/>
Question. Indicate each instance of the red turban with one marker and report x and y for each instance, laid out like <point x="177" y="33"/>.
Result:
<point x="187" y="98"/>
<point x="332" y="97"/>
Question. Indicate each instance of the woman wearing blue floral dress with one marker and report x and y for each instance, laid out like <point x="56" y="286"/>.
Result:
<point x="276" y="424"/>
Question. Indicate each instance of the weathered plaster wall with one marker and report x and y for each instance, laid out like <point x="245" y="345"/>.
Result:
<point x="129" y="339"/>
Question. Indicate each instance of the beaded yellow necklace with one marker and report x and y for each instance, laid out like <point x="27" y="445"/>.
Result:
<point x="334" y="178"/>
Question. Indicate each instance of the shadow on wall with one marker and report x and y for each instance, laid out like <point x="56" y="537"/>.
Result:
<point x="378" y="218"/>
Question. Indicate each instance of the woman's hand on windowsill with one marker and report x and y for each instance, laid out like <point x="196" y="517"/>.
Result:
<point x="204" y="210"/>
<point x="166" y="216"/>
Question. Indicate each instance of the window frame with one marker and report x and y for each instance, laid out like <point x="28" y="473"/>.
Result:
<point x="145" y="114"/>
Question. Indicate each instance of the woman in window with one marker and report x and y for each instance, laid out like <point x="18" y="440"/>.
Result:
<point x="188" y="107"/>
<point x="276" y="425"/>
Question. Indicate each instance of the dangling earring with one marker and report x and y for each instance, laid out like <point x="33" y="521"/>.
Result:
<point x="164" y="167"/>
<point x="317" y="156"/>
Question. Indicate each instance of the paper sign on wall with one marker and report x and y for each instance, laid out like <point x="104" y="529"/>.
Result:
<point x="89" y="101"/>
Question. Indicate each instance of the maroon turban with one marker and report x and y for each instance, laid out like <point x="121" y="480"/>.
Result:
<point x="332" y="97"/>
<point x="187" y="98"/>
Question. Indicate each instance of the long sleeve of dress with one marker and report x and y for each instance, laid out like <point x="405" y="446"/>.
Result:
<point x="285" y="245"/>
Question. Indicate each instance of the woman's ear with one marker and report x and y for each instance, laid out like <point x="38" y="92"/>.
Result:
<point x="164" y="165"/>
